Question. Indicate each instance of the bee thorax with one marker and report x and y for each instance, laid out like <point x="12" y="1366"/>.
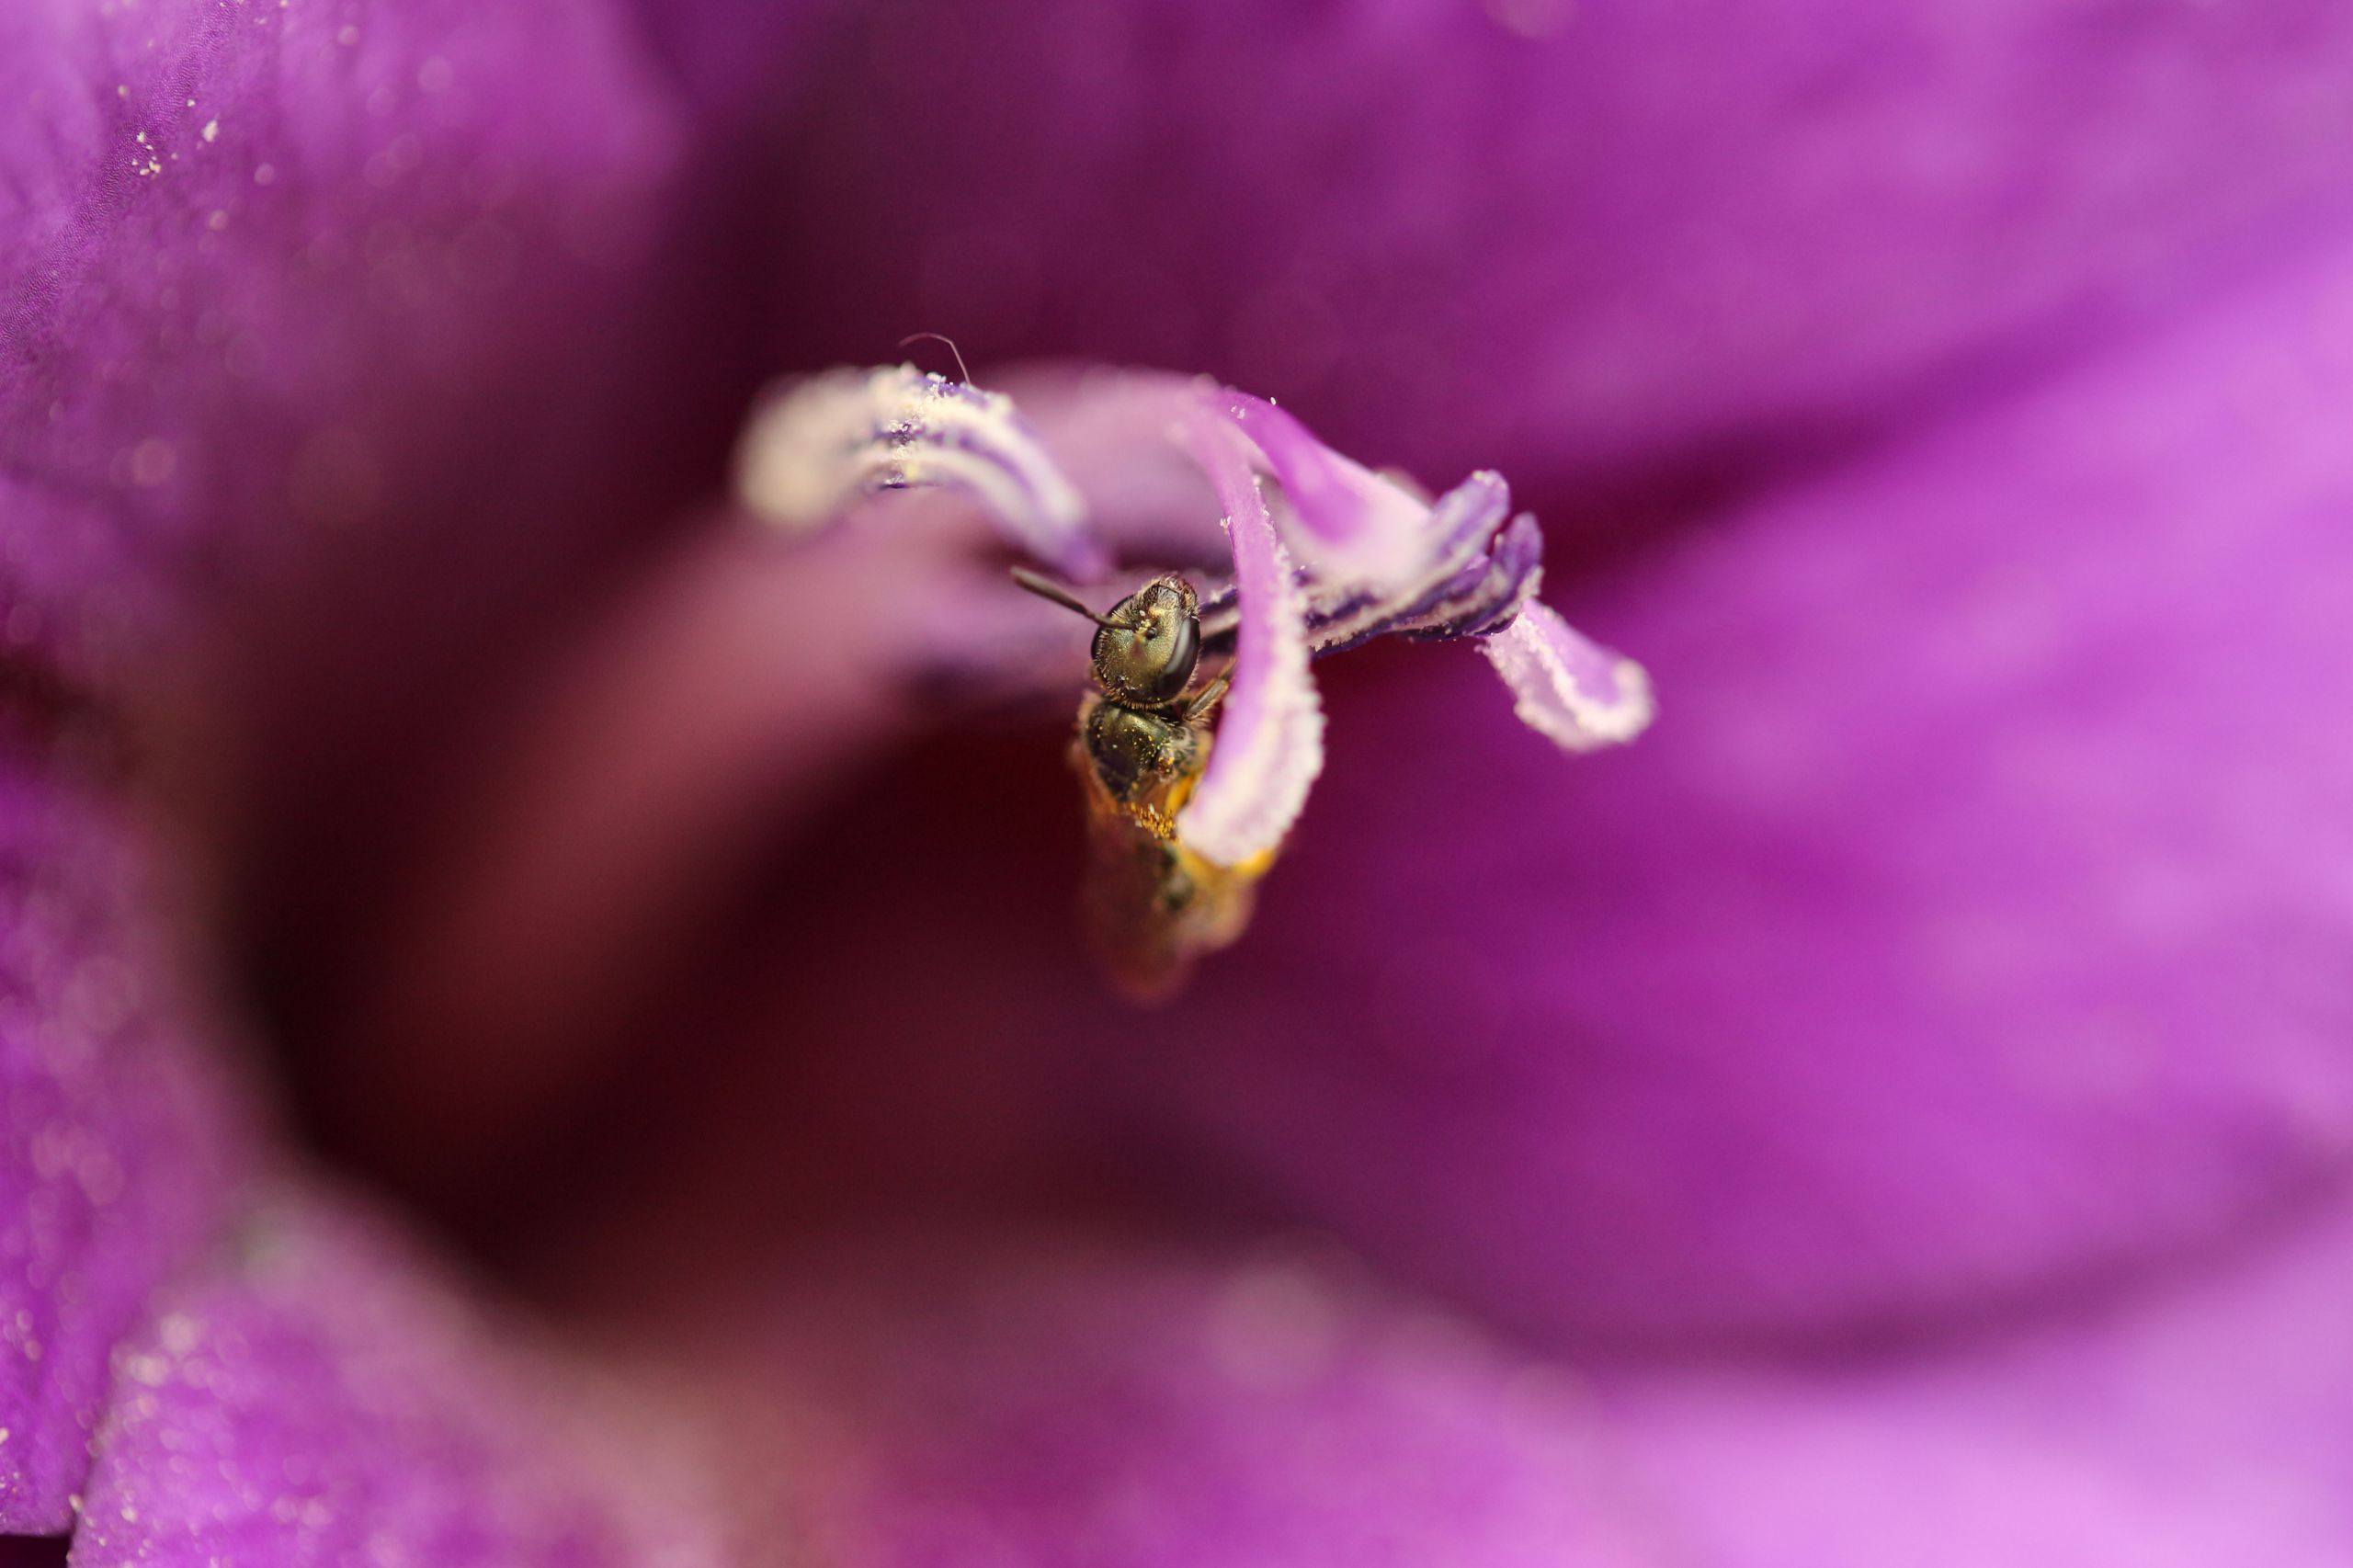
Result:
<point x="1132" y="752"/>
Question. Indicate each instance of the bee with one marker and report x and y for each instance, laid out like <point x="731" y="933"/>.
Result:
<point x="1150" y="905"/>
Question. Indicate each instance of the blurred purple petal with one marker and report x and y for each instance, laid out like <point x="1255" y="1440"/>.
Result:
<point x="731" y="692"/>
<point x="1973" y="927"/>
<point x="119" y="1134"/>
<point x="1066" y="1403"/>
<point x="2207" y="1423"/>
<point x="261" y="267"/>
<point x="263" y="271"/>
<point x="1562" y="239"/>
<point x="323" y="1394"/>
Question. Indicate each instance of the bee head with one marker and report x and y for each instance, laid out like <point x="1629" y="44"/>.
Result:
<point x="1146" y="649"/>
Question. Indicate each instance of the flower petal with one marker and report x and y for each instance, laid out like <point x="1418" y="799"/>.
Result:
<point x="740" y="682"/>
<point x="323" y="1395"/>
<point x="1971" y="930"/>
<point x="1067" y="1403"/>
<point x="120" y="1138"/>
<point x="2200" y="1425"/>
<point x="1566" y="240"/>
<point x="1269" y="745"/>
<point x="268" y="272"/>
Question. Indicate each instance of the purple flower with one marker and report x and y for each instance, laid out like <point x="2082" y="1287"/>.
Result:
<point x="543" y="1022"/>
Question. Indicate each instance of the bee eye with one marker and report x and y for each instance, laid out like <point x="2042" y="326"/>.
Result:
<point x="1150" y="655"/>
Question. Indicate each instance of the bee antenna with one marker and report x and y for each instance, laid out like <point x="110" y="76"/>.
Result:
<point x="1062" y="596"/>
<point x="965" y="374"/>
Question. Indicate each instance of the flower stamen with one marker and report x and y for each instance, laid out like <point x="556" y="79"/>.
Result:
<point x="1325" y="556"/>
<point x="817" y="446"/>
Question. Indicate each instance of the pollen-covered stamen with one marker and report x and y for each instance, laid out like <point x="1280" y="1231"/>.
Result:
<point x="1346" y="521"/>
<point x="1483" y="597"/>
<point x="1563" y="685"/>
<point x="1475" y="576"/>
<point x="1270" y="742"/>
<point x="1326" y="553"/>
<point x="1471" y="575"/>
<point x="816" y="446"/>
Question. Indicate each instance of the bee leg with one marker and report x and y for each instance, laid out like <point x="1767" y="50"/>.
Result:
<point x="1212" y="694"/>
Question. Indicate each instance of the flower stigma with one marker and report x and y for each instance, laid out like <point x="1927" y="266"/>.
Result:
<point x="1284" y="550"/>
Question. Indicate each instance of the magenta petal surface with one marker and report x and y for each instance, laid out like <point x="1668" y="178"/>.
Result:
<point x="2207" y="1424"/>
<point x="261" y="263"/>
<point x="118" y="1137"/>
<point x="324" y="1393"/>
<point x="1061" y="1404"/>
<point x="1549" y="237"/>
<point x="1973" y="921"/>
